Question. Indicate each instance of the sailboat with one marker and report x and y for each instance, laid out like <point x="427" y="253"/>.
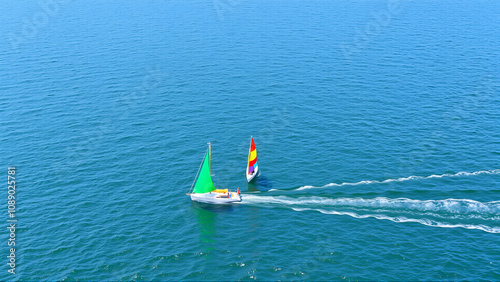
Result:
<point x="204" y="189"/>
<point x="252" y="167"/>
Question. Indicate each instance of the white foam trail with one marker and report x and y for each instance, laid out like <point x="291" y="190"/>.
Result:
<point x="461" y="211"/>
<point x="456" y="206"/>
<point x="413" y="177"/>
<point x="424" y="221"/>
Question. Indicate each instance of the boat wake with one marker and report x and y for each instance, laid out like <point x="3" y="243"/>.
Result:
<point x="448" y="213"/>
<point x="365" y="182"/>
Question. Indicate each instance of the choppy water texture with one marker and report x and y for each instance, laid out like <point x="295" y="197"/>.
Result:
<point x="377" y="126"/>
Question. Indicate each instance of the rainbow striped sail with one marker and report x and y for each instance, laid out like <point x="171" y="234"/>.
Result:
<point x="252" y="167"/>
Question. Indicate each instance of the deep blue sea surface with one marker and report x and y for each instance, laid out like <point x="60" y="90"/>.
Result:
<point x="377" y="125"/>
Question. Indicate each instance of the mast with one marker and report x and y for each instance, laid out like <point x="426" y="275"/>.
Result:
<point x="209" y="156"/>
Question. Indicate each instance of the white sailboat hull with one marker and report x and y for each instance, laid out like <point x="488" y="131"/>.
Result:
<point x="250" y="177"/>
<point x="216" y="198"/>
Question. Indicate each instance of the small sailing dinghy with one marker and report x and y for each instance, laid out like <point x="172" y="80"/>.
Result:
<point x="252" y="167"/>
<point x="204" y="190"/>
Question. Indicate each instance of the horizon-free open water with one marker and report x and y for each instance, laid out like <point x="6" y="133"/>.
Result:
<point x="377" y="125"/>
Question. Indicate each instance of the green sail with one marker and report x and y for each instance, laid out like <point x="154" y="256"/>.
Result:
<point x="204" y="182"/>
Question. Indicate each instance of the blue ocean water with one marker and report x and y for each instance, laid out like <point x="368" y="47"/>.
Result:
<point x="377" y="125"/>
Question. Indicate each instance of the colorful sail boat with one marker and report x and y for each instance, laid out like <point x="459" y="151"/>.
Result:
<point x="204" y="189"/>
<point x="252" y="167"/>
